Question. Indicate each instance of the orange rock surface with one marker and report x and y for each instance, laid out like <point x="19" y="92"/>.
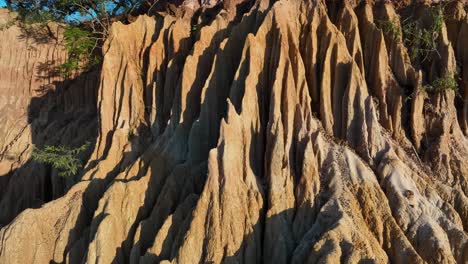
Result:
<point x="282" y="132"/>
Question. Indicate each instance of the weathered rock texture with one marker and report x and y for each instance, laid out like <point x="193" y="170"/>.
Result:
<point x="37" y="107"/>
<point x="279" y="132"/>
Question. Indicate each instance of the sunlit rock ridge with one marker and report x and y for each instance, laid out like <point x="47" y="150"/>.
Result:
<point x="286" y="131"/>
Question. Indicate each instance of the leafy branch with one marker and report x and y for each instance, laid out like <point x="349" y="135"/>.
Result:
<point x="61" y="158"/>
<point x="80" y="45"/>
<point x="390" y="27"/>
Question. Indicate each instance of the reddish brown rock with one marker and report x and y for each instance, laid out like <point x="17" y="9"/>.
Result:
<point x="38" y="107"/>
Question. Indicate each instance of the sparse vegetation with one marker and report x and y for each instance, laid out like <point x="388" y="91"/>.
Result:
<point x="80" y="45"/>
<point x="391" y="28"/>
<point x="421" y="40"/>
<point x="441" y="84"/>
<point x="61" y="158"/>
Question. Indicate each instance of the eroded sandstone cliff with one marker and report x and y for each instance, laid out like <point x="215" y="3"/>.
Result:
<point x="251" y="132"/>
<point x="37" y="107"/>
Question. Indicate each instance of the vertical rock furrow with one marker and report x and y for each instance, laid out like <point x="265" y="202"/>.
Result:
<point x="244" y="132"/>
<point x="38" y="107"/>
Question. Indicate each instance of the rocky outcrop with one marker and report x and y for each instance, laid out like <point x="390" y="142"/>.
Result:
<point x="279" y="132"/>
<point x="38" y="107"/>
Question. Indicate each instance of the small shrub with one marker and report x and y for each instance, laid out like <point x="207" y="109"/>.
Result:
<point x="390" y="27"/>
<point x="61" y="158"/>
<point x="421" y="41"/>
<point x="445" y="83"/>
<point x="195" y="28"/>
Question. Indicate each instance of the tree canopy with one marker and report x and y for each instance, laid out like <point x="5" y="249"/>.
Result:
<point x="96" y="14"/>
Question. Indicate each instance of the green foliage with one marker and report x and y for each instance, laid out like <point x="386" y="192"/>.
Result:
<point x="390" y="27"/>
<point x="420" y="40"/>
<point x="36" y="17"/>
<point x="80" y="45"/>
<point x="195" y="28"/>
<point x="95" y="11"/>
<point x="77" y="41"/>
<point x="61" y="158"/>
<point x="445" y="83"/>
<point x="67" y="68"/>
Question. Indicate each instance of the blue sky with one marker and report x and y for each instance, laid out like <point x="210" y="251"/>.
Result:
<point x="2" y="3"/>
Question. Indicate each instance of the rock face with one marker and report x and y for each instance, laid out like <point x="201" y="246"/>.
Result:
<point x="37" y="107"/>
<point x="242" y="132"/>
